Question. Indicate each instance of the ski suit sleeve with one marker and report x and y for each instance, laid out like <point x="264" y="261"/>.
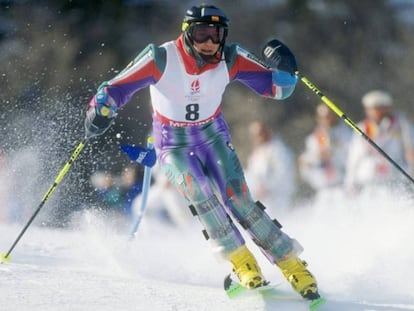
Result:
<point x="247" y="68"/>
<point x="144" y="70"/>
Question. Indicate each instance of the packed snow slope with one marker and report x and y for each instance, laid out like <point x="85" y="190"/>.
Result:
<point x="360" y="249"/>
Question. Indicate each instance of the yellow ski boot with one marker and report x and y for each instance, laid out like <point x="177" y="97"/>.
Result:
<point x="246" y="268"/>
<point x="302" y="281"/>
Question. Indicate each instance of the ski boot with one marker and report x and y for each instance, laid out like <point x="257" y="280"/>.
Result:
<point x="246" y="268"/>
<point x="302" y="281"/>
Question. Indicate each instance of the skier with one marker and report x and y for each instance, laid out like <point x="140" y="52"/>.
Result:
<point x="366" y="168"/>
<point x="187" y="78"/>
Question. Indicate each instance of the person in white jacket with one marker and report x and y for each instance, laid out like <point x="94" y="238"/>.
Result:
<point x="271" y="170"/>
<point x="322" y="163"/>
<point x="393" y="133"/>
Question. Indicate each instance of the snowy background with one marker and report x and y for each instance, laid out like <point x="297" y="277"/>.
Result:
<point x="360" y="250"/>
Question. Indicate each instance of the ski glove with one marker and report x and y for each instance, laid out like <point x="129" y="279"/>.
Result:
<point x="278" y="55"/>
<point x="105" y="105"/>
<point x="100" y="115"/>
<point x="144" y="156"/>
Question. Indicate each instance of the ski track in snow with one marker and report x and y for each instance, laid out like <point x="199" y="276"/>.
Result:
<point x="360" y="250"/>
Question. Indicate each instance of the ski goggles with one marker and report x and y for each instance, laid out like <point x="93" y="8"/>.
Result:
<point x="200" y="33"/>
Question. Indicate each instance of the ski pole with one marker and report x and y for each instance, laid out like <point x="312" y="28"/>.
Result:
<point x="348" y="121"/>
<point x="5" y="257"/>
<point x="145" y="188"/>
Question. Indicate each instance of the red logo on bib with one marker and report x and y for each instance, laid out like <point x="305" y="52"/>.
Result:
<point x="195" y="86"/>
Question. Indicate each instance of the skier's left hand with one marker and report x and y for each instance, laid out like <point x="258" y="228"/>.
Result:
<point x="279" y="56"/>
<point x="144" y="156"/>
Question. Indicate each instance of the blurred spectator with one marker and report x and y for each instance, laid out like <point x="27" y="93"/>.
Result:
<point x="322" y="164"/>
<point x="106" y="188"/>
<point x="131" y="187"/>
<point x="271" y="171"/>
<point x="117" y="192"/>
<point x="164" y="202"/>
<point x="392" y="132"/>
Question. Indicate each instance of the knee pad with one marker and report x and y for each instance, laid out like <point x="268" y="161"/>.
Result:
<point x="218" y="227"/>
<point x="267" y="233"/>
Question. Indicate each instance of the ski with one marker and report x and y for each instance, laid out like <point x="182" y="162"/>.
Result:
<point x="235" y="290"/>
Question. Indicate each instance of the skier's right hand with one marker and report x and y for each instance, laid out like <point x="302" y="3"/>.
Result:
<point x="104" y="104"/>
<point x="100" y="114"/>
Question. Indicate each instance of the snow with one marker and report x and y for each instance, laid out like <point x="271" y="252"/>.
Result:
<point x="360" y="250"/>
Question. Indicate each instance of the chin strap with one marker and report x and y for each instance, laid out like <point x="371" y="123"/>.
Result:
<point x="212" y="59"/>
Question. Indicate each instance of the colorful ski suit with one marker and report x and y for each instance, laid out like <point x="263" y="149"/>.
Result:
<point x="192" y="139"/>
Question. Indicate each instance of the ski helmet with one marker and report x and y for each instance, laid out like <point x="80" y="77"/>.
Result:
<point x="210" y="16"/>
<point x="203" y="13"/>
